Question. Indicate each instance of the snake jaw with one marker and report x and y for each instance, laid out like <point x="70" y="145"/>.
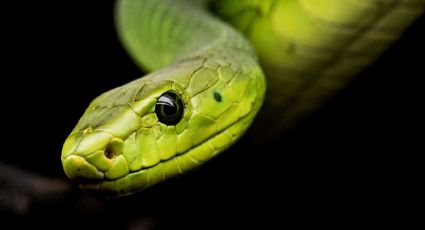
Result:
<point x="181" y="163"/>
<point x="77" y="168"/>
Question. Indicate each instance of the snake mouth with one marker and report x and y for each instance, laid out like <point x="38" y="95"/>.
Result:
<point x="79" y="170"/>
<point x="99" y="183"/>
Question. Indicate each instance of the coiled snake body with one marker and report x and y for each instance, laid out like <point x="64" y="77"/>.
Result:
<point x="207" y="80"/>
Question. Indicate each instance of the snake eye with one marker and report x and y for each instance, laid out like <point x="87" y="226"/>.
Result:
<point x="169" y="108"/>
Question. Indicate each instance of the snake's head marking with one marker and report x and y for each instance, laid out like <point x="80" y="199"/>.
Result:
<point x="121" y="146"/>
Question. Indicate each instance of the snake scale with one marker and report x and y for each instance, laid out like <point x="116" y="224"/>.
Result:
<point x="215" y="67"/>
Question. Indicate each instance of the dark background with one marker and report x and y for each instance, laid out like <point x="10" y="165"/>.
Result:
<point x="351" y="162"/>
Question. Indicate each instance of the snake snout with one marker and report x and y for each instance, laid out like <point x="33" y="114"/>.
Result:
<point x="93" y="154"/>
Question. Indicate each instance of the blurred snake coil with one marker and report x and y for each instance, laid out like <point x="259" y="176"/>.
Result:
<point x="209" y="63"/>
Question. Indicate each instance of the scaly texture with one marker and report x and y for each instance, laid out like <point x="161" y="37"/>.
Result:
<point x="309" y="50"/>
<point x="119" y="146"/>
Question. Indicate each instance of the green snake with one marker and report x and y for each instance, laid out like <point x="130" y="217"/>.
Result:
<point x="207" y="80"/>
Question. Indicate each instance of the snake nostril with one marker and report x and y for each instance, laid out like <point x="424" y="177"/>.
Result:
<point x="114" y="148"/>
<point x="109" y="153"/>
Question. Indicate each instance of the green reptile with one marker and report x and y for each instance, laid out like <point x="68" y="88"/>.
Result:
<point x="207" y="80"/>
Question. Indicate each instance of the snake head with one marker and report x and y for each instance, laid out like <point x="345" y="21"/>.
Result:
<point x="159" y="126"/>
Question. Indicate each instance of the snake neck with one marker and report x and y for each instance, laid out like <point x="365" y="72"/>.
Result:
<point x="157" y="35"/>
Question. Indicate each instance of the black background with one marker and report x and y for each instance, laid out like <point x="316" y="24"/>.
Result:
<point x="351" y="162"/>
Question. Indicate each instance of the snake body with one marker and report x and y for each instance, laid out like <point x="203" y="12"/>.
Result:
<point x="207" y="80"/>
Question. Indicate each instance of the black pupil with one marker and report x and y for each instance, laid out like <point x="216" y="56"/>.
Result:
<point x="169" y="108"/>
